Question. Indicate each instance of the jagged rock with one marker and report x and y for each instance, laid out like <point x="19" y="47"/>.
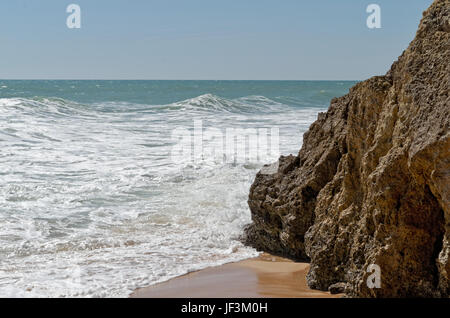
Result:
<point x="371" y="184"/>
<point x="337" y="288"/>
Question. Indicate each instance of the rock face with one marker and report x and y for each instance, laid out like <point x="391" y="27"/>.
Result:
<point x="371" y="184"/>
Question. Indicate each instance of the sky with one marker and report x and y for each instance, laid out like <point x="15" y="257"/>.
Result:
<point x="204" y="39"/>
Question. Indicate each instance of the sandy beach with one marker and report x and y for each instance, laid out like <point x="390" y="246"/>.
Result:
<point x="265" y="276"/>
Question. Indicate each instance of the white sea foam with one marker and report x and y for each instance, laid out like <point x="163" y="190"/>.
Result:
<point x="92" y="206"/>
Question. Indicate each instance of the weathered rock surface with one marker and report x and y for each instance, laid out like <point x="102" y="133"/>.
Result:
<point x="337" y="288"/>
<point x="371" y="184"/>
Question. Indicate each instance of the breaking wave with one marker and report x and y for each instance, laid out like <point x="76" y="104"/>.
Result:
<point x="88" y="192"/>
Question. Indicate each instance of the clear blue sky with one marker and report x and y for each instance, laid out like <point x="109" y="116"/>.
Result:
<point x="203" y="39"/>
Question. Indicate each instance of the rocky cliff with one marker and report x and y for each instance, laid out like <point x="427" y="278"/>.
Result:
<point x="371" y="184"/>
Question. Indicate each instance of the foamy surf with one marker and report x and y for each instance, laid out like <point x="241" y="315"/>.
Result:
<point x="91" y="204"/>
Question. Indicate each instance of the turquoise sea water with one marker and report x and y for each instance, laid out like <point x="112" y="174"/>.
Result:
<point x="93" y="204"/>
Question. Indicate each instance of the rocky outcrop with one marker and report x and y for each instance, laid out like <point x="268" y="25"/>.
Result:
<point x="371" y="184"/>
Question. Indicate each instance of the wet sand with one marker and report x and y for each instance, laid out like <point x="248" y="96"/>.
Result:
<point x="265" y="276"/>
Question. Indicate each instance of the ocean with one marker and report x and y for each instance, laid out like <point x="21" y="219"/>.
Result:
<point x="106" y="186"/>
